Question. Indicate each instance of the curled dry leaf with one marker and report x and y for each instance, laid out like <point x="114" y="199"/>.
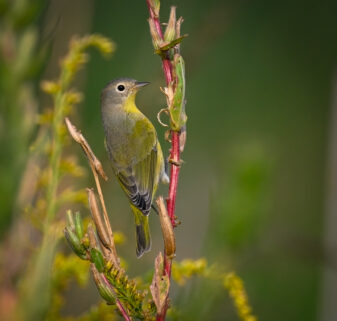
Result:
<point x="163" y="110"/>
<point x="109" y="250"/>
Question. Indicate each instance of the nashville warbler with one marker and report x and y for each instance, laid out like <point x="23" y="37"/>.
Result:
<point x="134" y="151"/>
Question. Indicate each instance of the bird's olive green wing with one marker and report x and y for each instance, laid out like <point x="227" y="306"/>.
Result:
<point x="138" y="181"/>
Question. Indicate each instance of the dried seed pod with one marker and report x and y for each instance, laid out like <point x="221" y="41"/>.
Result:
<point x="170" y="31"/>
<point x="96" y="216"/>
<point x="103" y="286"/>
<point x="160" y="285"/>
<point x="167" y="229"/>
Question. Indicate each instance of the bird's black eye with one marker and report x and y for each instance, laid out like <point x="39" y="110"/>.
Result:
<point x="120" y="87"/>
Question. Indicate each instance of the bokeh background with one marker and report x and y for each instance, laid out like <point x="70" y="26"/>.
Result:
<point x="257" y="192"/>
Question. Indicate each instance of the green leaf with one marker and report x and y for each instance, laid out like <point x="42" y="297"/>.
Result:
<point x="97" y="259"/>
<point x="170" y="45"/>
<point x="177" y="109"/>
<point x="70" y="220"/>
<point x="75" y="243"/>
<point x="78" y="225"/>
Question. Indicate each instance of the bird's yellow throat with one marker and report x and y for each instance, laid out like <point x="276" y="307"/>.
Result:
<point x="130" y="105"/>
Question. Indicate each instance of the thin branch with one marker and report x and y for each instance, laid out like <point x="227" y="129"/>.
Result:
<point x="96" y="167"/>
<point x="79" y="138"/>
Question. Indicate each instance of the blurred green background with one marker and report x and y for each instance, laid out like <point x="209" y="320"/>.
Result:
<point x="257" y="189"/>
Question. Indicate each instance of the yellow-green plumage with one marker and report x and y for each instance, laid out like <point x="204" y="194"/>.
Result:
<point x="134" y="151"/>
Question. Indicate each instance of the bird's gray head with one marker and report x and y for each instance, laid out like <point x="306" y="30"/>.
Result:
<point x="117" y="91"/>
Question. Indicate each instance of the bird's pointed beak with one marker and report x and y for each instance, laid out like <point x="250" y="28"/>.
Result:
<point x="140" y="84"/>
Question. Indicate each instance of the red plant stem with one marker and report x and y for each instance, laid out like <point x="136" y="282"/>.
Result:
<point x="174" y="175"/>
<point x="174" y="155"/>
<point x="175" y="151"/>
<point x="118" y="303"/>
<point x="154" y="18"/>
<point x="171" y="201"/>
<point x="122" y="310"/>
<point x="167" y="66"/>
<point x="162" y="316"/>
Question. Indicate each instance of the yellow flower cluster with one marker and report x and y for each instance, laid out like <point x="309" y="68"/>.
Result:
<point x="55" y="170"/>
<point x="75" y="59"/>
<point x="65" y="98"/>
<point x="77" y="56"/>
<point x="237" y="292"/>
<point x="184" y="270"/>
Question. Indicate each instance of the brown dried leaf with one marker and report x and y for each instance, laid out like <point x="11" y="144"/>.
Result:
<point x="160" y="285"/>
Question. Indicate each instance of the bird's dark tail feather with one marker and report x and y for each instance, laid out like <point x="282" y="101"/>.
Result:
<point x="143" y="237"/>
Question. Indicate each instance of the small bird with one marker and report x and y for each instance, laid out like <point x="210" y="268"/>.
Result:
<point x="134" y="151"/>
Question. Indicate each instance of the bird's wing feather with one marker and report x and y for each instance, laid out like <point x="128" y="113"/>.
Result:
<point x="132" y="146"/>
<point x="138" y="181"/>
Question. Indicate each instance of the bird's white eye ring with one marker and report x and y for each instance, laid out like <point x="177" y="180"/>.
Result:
<point x="120" y="87"/>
